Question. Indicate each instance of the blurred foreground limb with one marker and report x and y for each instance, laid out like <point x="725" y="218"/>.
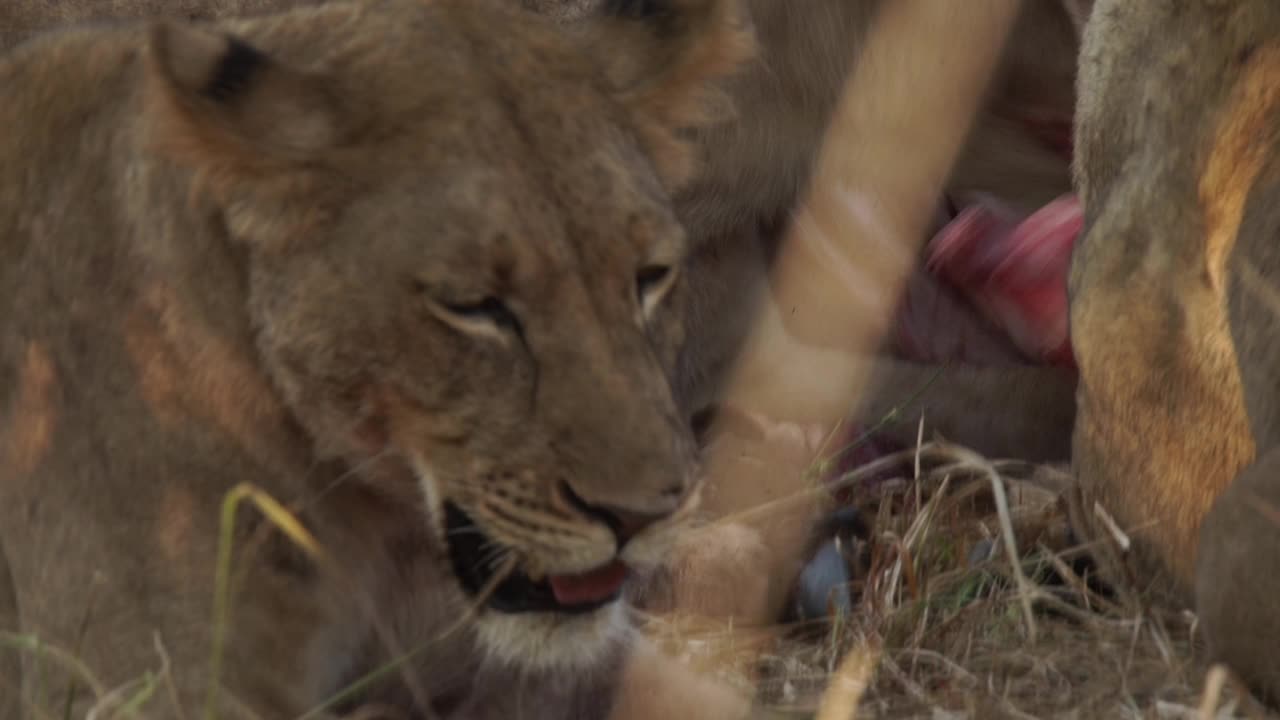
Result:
<point x="905" y="113"/>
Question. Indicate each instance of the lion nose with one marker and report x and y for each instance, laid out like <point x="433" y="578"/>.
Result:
<point x="624" y="522"/>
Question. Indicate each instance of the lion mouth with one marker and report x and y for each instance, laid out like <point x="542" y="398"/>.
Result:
<point x="471" y="553"/>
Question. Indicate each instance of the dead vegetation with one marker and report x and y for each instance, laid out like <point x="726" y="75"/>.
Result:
<point x="972" y="600"/>
<point x="945" y="625"/>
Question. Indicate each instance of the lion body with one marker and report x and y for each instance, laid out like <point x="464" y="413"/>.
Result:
<point x="1173" y="311"/>
<point x="1162" y="426"/>
<point x="297" y="263"/>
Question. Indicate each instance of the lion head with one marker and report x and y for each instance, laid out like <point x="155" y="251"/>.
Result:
<point x="432" y="242"/>
<point x="470" y="269"/>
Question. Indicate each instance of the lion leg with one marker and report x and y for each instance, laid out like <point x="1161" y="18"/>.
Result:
<point x="654" y="685"/>
<point x="712" y="573"/>
<point x="1238" y="541"/>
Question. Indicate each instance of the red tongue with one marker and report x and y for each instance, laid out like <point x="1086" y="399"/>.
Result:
<point x="588" y="587"/>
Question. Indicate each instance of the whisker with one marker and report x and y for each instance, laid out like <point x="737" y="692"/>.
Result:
<point x="494" y="555"/>
<point x="352" y="471"/>
<point x="494" y="582"/>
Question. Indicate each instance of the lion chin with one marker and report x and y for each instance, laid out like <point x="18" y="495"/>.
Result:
<point x="558" y="623"/>
<point x="554" y="624"/>
<point x="553" y="642"/>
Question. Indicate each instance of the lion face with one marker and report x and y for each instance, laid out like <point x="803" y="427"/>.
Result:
<point x="470" y="269"/>
<point x="512" y="354"/>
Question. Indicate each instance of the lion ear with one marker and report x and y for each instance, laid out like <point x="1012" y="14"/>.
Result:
<point x="664" y="59"/>
<point x="229" y="110"/>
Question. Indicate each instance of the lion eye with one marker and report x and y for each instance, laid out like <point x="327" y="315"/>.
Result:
<point x="487" y="315"/>
<point x="651" y="282"/>
<point x="489" y="309"/>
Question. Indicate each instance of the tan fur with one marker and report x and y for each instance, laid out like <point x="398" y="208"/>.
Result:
<point x="19" y="19"/>
<point x="31" y="421"/>
<point x="273" y="271"/>
<point x="1172" y="307"/>
<point x="1161" y="426"/>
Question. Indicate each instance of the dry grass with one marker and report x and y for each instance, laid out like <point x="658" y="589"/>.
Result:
<point x="947" y="626"/>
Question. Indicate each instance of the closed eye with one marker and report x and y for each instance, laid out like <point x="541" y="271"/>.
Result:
<point x="652" y="284"/>
<point x="487" y="316"/>
<point x="649" y="277"/>
<point x="489" y="309"/>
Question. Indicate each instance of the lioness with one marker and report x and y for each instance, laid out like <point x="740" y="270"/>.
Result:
<point x="406" y="275"/>
<point x="1174" y="311"/>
